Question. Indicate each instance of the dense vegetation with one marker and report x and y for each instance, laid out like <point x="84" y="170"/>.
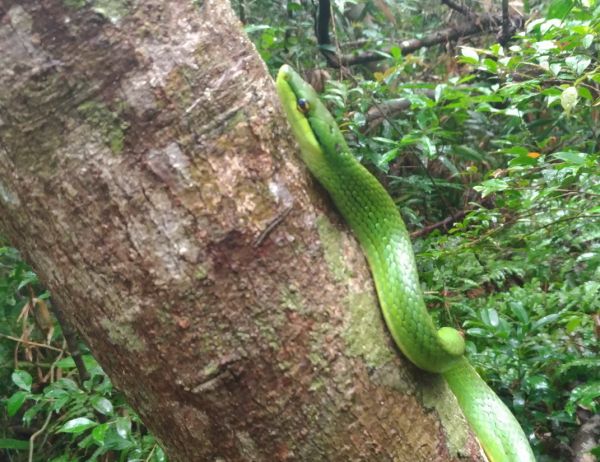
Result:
<point x="503" y="140"/>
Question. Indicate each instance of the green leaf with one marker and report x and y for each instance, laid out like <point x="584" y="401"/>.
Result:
<point x="491" y="186"/>
<point x="538" y="383"/>
<point x="519" y="311"/>
<point x="478" y="332"/>
<point x="555" y="68"/>
<point x="559" y="9"/>
<point x="578" y="63"/>
<point x="67" y="384"/>
<point x="396" y="52"/>
<point x="384" y="160"/>
<point x="545" y="46"/>
<point x="572" y="325"/>
<point x="469" y="55"/>
<point x="585" y="395"/>
<point x="66" y="363"/>
<point x="449" y="165"/>
<point x="102" y="405"/>
<point x="22" y="379"/>
<point x="384" y="140"/>
<point x="439" y="90"/>
<point x="585" y="93"/>
<point x="490" y="65"/>
<point x="490" y="317"/>
<point x="427" y="146"/>
<point x="513" y="112"/>
<point x="545" y="320"/>
<point x="587" y="41"/>
<point x="591" y="364"/>
<point x="99" y="432"/>
<point x="255" y="27"/>
<point x="577" y="158"/>
<point x="78" y="425"/>
<point x="14" y="403"/>
<point x="123" y="427"/>
<point x="9" y="443"/>
<point x="159" y="455"/>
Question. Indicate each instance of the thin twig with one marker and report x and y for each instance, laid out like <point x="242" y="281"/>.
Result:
<point x="151" y="453"/>
<point x="271" y="226"/>
<point x="440" y="224"/>
<point x="29" y="342"/>
<point x="513" y="221"/>
<point x="36" y="434"/>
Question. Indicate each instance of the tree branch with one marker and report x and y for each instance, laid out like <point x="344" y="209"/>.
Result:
<point x="445" y="223"/>
<point x="482" y="24"/>
<point x="322" y="22"/>
<point x="505" y="23"/>
<point x="459" y="8"/>
<point x="390" y="108"/>
<point x="196" y="298"/>
<point x="72" y="340"/>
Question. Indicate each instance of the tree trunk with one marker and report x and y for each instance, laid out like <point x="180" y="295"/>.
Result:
<point x="148" y="175"/>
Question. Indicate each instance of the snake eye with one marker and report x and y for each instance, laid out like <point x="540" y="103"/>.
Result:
<point x="303" y="106"/>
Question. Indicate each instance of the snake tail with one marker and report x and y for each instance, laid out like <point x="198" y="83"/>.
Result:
<point x="496" y="427"/>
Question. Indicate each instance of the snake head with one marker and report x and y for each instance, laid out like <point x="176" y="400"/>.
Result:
<point x="314" y="127"/>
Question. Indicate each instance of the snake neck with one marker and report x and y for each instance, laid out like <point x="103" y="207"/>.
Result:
<point x="377" y="224"/>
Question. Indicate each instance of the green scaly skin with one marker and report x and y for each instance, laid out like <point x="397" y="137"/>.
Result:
<point x="376" y="222"/>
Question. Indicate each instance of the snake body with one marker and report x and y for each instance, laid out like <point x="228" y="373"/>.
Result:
<point x="374" y="219"/>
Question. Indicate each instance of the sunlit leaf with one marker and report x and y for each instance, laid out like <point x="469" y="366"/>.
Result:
<point x="578" y="63"/>
<point x="102" y="405"/>
<point x="576" y="158"/>
<point x="491" y="186"/>
<point x="568" y="99"/>
<point x="469" y="55"/>
<point x="78" y="425"/>
<point x="22" y="379"/>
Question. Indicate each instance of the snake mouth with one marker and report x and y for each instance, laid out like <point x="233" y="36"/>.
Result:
<point x="290" y="88"/>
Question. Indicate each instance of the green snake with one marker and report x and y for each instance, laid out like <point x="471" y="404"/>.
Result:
<point x="374" y="219"/>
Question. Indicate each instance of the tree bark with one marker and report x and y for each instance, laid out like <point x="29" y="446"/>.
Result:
<point x="148" y="175"/>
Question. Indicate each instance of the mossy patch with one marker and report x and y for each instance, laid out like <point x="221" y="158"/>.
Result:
<point x="123" y="334"/>
<point x="108" y="123"/>
<point x="331" y="240"/>
<point x="110" y="9"/>
<point x="437" y="395"/>
<point x="201" y="272"/>
<point x="292" y="300"/>
<point x="363" y="333"/>
<point x="268" y="328"/>
<point x="179" y="87"/>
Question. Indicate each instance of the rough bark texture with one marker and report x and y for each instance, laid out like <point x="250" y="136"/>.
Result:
<point x="147" y="173"/>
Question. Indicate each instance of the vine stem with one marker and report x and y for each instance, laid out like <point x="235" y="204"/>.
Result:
<point x="49" y="416"/>
<point x="36" y="434"/>
<point x="151" y="454"/>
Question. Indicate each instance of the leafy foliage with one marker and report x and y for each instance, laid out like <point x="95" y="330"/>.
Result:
<point x="44" y="408"/>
